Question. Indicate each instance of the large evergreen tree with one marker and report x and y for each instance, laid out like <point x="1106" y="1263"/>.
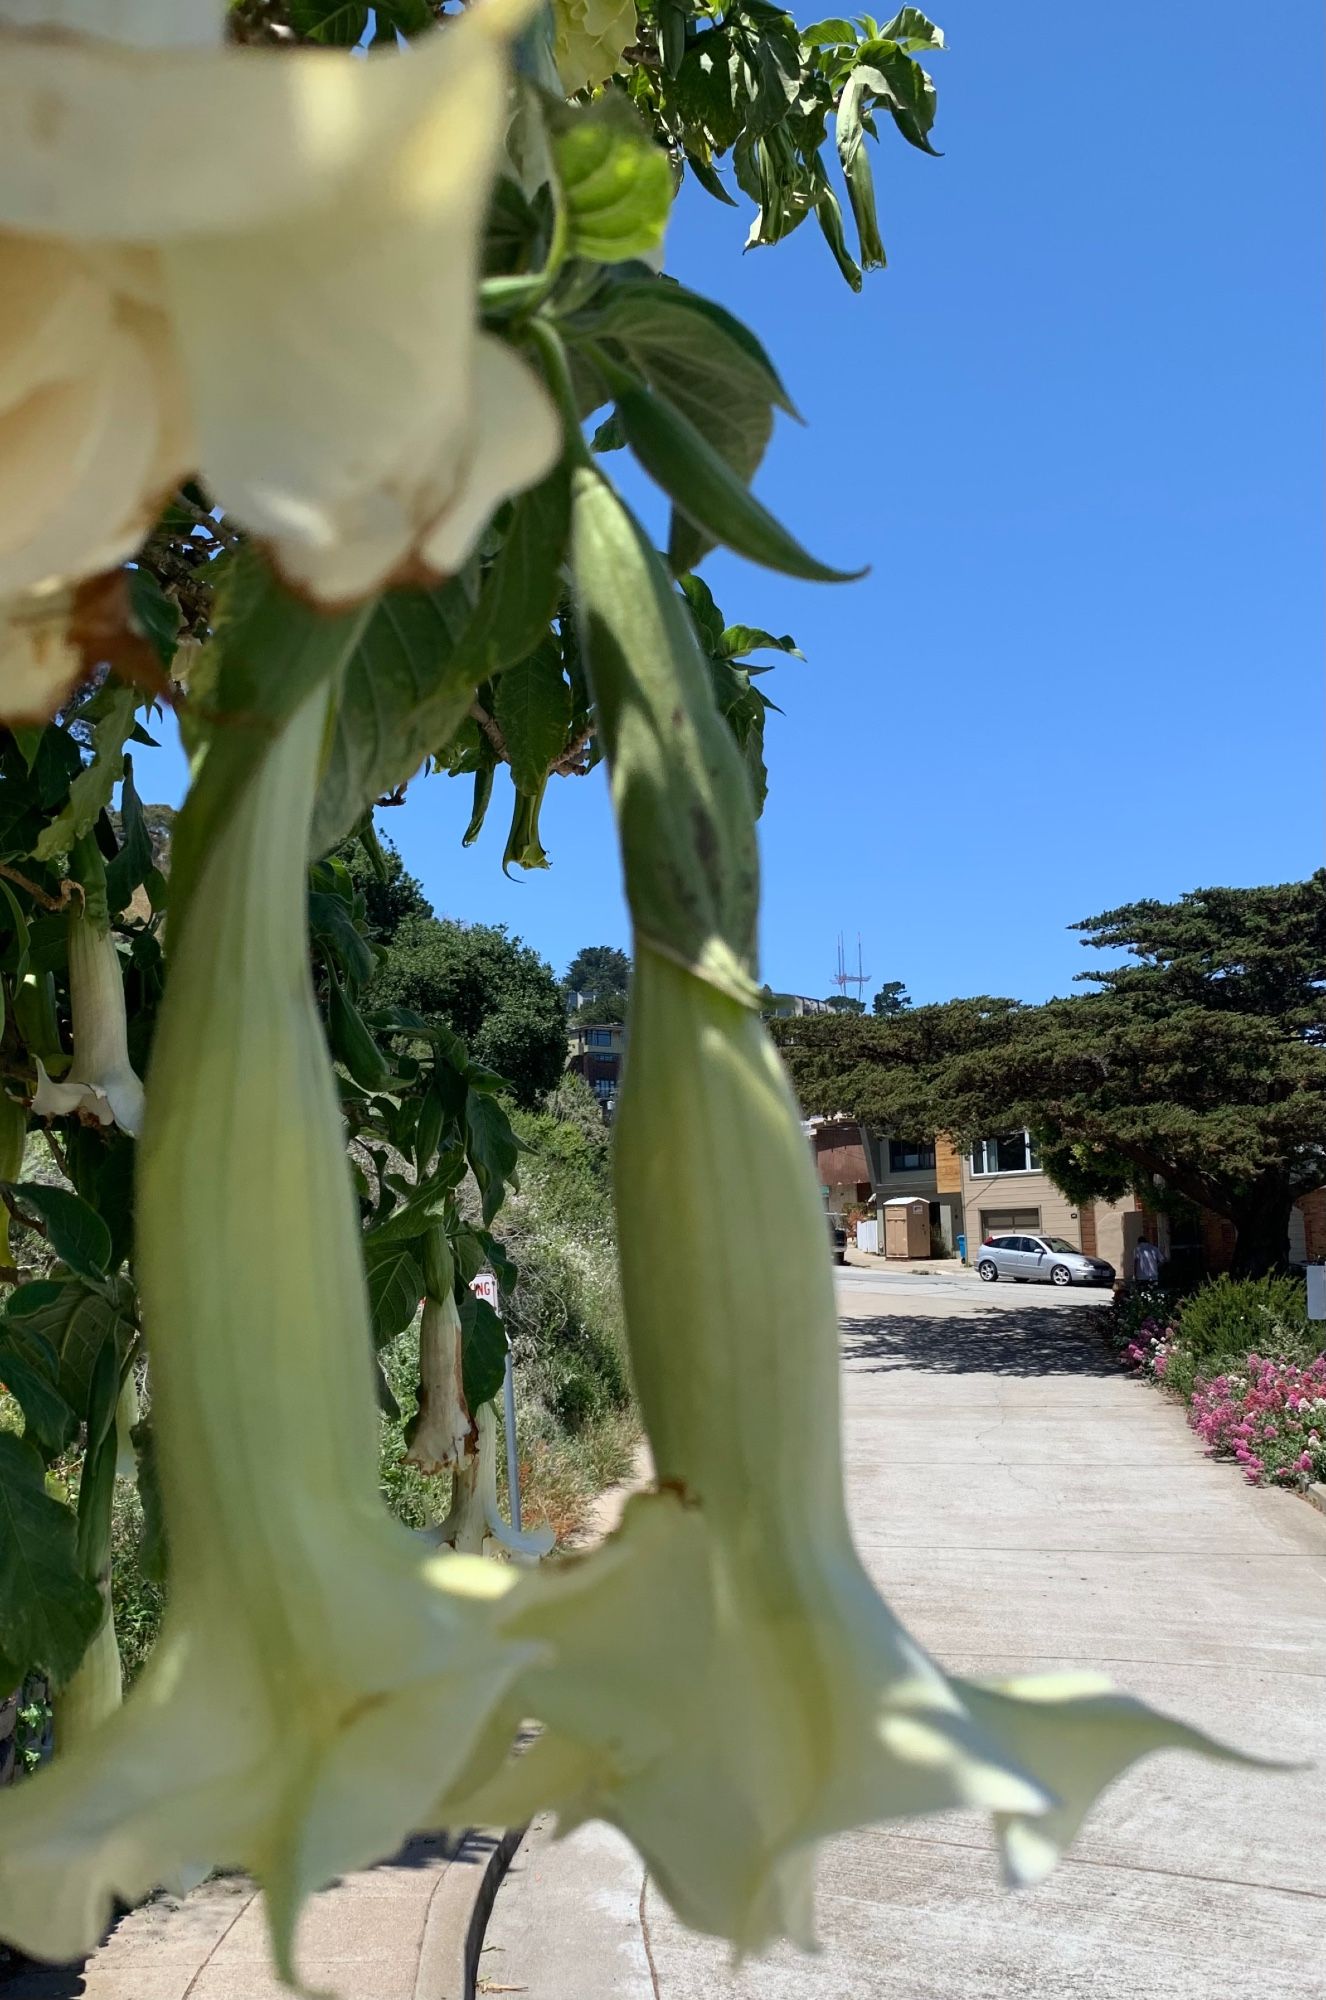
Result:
<point x="1195" y="1069"/>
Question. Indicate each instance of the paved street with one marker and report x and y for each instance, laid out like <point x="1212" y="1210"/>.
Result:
<point x="1025" y="1505"/>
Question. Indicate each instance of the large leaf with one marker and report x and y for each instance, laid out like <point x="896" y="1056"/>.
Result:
<point x="48" y="1610"/>
<point x="904" y="87"/>
<point x="492" y="1146"/>
<point x="47" y="1417"/>
<point x="134" y="864"/>
<point x="706" y="491"/>
<point x="912" y="31"/>
<point x="91" y="791"/>
<point x="74" y="1230"/>
<point x="156" y="615"/>
<point x="76" y="1322"/>
<point x="338" y="23"/>
<point x="395" y="1287"/>
<point x="533" y="711"/>
<point x="616" y="183"/>
<point x="482" y="1351"/>
<point x="521" y="588"/>
<point x="403" y="694"/>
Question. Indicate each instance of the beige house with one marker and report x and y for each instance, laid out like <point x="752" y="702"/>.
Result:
<point x="1004" y="1188"/>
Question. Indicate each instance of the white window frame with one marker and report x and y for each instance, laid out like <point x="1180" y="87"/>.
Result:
<point x="988" y="1173"/>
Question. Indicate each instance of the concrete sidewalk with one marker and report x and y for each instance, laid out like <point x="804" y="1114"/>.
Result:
<point x="402" y="1931"/>
<point x="1026" y="1506"/>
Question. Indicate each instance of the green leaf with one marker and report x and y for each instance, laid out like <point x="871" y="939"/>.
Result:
<point x="912" y="31"/>
<point x="828" y="34"/>
<point x="340" y="24"/>
<point x="350" y="1040"/>
<point x="616" y="183"/>
<point x="483" y="792"/>
<point x="904" y="88"/>
<point x="482" y="1351"/>
<point x="332" y="926"/>
<point x="48" y="1610"/>
<point x="532" y="705"/>
<point x="91" y="791"/>
<point x="74" y="1230"/>
<point x="707" y="616"/>
<point x="153" y="1553"/>
<point x="708" y="177"/>
<point x="29" y="742"/>
<point x="134" y="864"/>
<point x="492" y="1147"/>
<point x="404" y="691"/>
<point x="96" y="1486"/>
<point x="738" y="639"/>
<point x="76" y="1322"/>
<point x="156" y="615"/>
<point x="22" y="933"/>
<point x="708" y="365"/>
<point x="46" y="1415"/>
<point x="707" y="492"/>
<point x="395" y="1287"/>
<point x="521" y="588"/>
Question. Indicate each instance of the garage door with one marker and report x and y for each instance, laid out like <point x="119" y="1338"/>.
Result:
<point x="1001" y="1221"/>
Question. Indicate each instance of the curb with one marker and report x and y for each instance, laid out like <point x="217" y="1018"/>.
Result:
<point x="1315" y="1495"/>
<point x="458" y="1914"/>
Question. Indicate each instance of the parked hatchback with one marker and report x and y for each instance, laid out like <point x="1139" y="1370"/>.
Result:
<point x="1040" y="1260"/>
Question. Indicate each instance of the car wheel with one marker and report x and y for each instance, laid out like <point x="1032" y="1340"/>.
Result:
<point x="985" y="1269"/>
<point x="1061" y="1275"/>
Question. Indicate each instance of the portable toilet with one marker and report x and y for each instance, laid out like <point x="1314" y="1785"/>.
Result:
<point x="907" y="1226"/>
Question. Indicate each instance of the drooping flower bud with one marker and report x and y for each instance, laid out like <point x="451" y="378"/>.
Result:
<point x="441" y="1436"/>
<point x="475" y="1517"/>
<point x="101" y="1081"/>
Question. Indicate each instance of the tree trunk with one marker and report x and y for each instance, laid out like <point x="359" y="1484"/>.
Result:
<point x="1261" y="1224"/>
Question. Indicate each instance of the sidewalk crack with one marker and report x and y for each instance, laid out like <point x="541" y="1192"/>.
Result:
<point x="647" y="1940"/>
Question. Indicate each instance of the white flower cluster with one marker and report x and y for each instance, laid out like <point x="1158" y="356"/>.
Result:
<point x="590" y="38"/>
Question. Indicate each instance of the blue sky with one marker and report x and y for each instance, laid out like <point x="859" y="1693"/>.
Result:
<point x="1074" y="428"/>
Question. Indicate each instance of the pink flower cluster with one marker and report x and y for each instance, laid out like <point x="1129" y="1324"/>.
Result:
<point x="1272" y="1420"/>
<point x="1149" y="1350"/>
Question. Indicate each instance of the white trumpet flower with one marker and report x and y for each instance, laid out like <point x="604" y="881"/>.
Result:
<point x="475" y="1517"/>
<point x="319" y="1670"/>
<point x="293" y="318"/>
<point x="590" y="39"/>
<point x="768" y="1698"/>
<point x="102" y="1082"/>
<point x="441" y="1437"/>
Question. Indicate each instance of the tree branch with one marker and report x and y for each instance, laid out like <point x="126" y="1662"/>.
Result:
<point x="68" y="889"/>
<point x="490" y="729"/>
<point x="28" y="1221"/>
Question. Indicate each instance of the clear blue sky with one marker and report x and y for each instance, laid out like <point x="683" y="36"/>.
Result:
<point x="1075" y="429"/>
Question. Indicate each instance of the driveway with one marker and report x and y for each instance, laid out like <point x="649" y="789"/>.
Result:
<point x="1025" y="1505"/>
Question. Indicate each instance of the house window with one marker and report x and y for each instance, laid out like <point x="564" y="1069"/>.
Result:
<point x="907" y="1156"/>
<point x="600" y="1038"/>
<point x="605" y="1086"/>
<point x="1014" y="1154"/>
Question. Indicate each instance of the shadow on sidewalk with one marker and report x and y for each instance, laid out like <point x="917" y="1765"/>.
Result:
<point x="990" y="1340"/>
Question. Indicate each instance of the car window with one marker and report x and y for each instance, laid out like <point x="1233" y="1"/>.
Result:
<point x="1025" y="1243"/>
<point x="1007" y="1242"/>
<point x="1058" y="1243"/>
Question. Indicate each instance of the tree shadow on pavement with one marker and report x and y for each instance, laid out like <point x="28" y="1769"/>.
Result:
<point x="989" y="1340"/>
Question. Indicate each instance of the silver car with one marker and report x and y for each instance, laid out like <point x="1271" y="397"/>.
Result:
<point x="1040" y="1260"/>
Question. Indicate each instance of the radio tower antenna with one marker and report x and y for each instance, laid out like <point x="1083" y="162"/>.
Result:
<point x="842" y="978"/>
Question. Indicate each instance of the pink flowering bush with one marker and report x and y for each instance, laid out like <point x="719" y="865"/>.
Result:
<point x="1265" y="1408"/>
<point x="1271" y="1418"/>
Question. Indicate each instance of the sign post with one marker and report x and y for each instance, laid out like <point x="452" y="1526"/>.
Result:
<point x="485" y="1287"/>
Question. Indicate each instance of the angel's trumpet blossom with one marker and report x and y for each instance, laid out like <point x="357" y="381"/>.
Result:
<point x="475" y="1517"/>
<point x="318" y="1667"/>
<point x="771" y="1696"/>
<point x="101" y="1082"/>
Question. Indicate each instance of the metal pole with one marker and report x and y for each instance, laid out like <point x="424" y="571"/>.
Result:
<point x="512" y="1463"/>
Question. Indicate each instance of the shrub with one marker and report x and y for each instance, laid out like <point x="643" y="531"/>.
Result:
<point x="1230" y="1318"/>
<point x="1271" y="1417"/>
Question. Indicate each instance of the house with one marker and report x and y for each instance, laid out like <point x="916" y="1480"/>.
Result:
<point x="1004" y="1188"/>
<point x="858" y="1168"/>
<point x="595" y="1050"/>
<point x="787" y="1006"/>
